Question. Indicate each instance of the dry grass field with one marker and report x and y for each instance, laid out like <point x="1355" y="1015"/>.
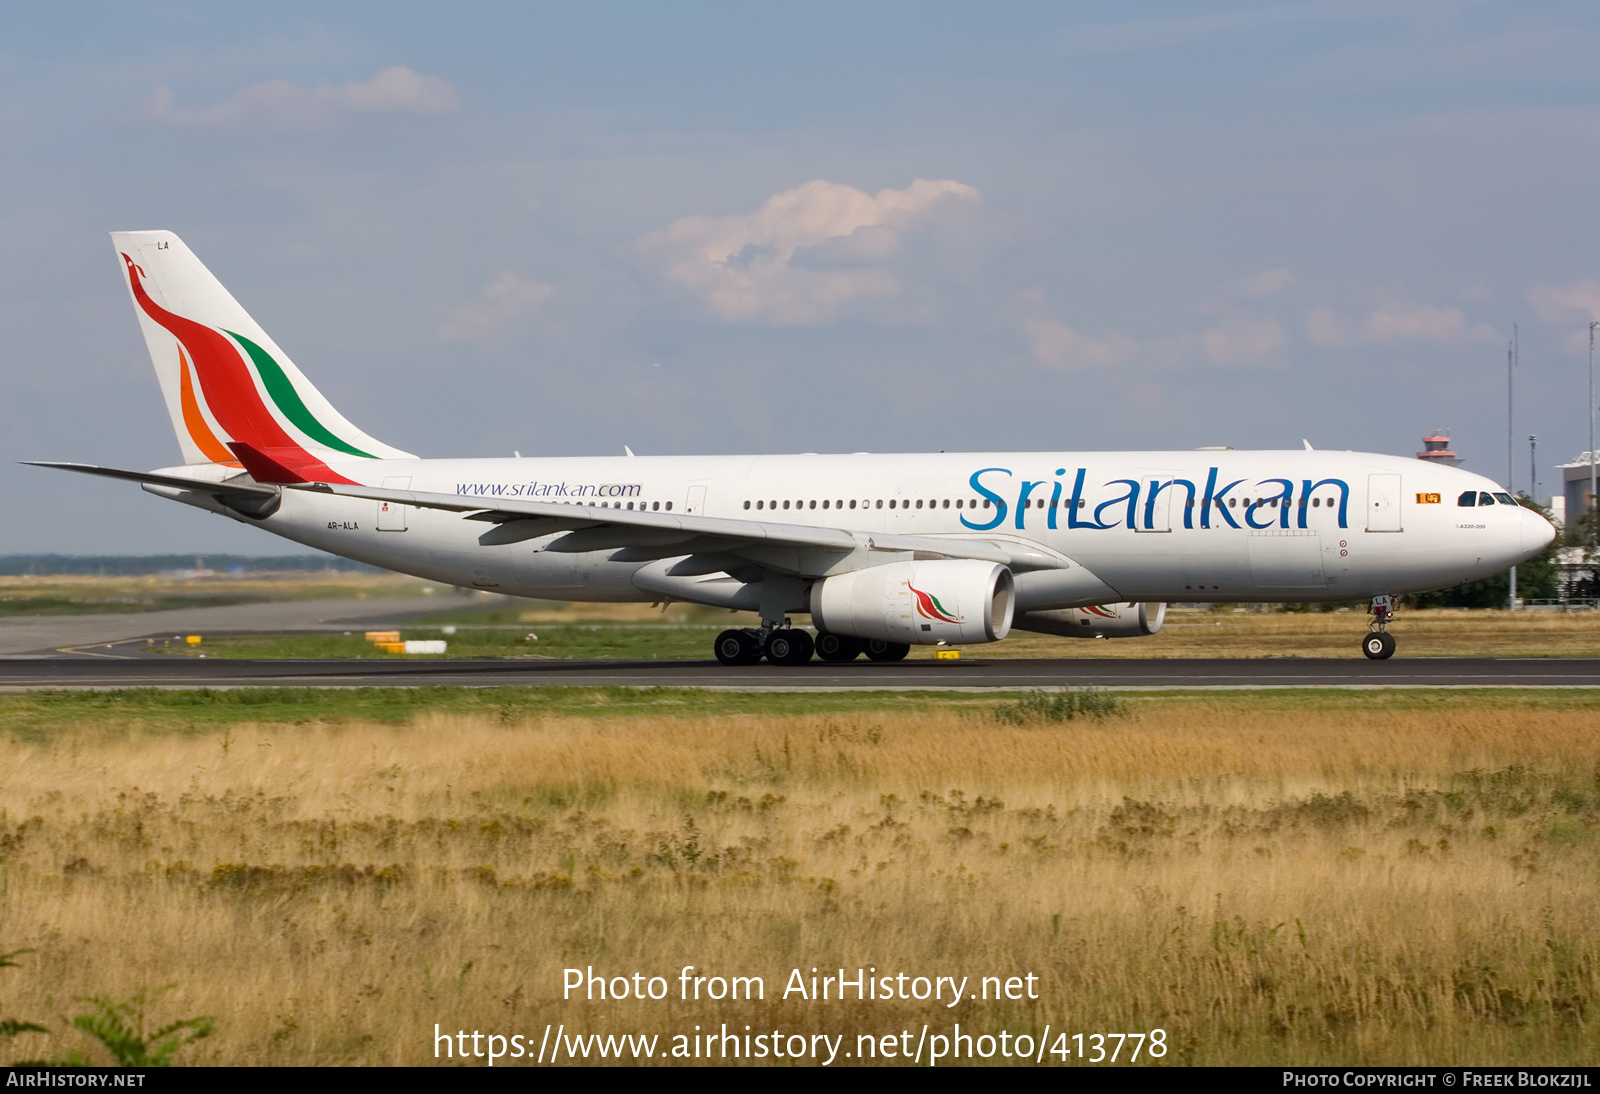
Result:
<point x="1270" y="878"/>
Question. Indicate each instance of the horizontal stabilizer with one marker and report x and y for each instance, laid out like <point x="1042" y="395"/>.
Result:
<point x="155" y="478"/>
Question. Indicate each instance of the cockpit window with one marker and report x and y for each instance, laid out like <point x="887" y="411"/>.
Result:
<point x="1505" y="499"/>
<point x="1485" y="499"/>
<point x="1468" y="499"/>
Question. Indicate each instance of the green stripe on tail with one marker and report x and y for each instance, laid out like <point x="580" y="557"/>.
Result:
<point x="282" y="391"/>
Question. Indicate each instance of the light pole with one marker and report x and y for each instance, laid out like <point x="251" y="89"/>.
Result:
<point x="1511" y="465"/>
<point x="1593" y="323"/>
<point x="1533" y="466"/>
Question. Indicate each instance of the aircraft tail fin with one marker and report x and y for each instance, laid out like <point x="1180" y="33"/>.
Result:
<point x="225" y="380"/>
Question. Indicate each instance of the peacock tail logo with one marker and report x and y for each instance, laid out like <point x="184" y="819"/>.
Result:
<point x="225" y="367"/>
<point x="928" y="606"/>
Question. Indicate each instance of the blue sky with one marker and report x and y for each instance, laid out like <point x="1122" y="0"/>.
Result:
<point x="731" y="228"/>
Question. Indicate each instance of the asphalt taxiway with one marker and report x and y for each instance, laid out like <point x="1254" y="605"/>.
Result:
<point x="46" y="635"/>
<point x="114" y="671"/>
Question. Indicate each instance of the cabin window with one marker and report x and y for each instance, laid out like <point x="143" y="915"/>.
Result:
<point x="655" y="506"/>
<point x="1233" y="503"/>
<point x="919" y="503"/>
<point x="839" y="504"/>
<point x="986" y="503"/>
<point x="1315" y="502"/>
<point x="1468" y="499"/>
<point x="669" y="507"/>
<point x="947" y="503"/>
<point x="852" y="503"/>
<point x="958" y="503"/>
<point x="786" y="504"/>
<point x="747" y="505"/>
<point x="824" y="503"/>
<point x="630" y="505"/>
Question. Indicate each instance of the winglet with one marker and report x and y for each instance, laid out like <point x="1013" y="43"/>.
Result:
<point x="1307" y="444"/>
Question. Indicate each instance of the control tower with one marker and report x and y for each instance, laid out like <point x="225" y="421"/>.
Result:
<point x="1436" y="449"/>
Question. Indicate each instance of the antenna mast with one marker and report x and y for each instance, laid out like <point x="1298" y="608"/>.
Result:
<point x="1511" y="361"/>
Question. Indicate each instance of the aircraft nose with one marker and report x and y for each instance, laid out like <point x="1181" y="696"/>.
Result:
<point x="1537" y="533"/>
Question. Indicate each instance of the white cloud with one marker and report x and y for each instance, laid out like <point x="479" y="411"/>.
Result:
<point x="1057" y="346"/>
<point x="509" y="297"/>
<point x="279" y="104"/>
<point x="808" y="255"/>
<point x="1558" y="303"/>
<point x="1393" y="319"/>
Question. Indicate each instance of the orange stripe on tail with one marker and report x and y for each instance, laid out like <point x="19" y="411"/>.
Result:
<point x="195" y="422"/>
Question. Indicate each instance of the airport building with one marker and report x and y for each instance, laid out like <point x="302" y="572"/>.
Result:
<point x="1575" y="485"/>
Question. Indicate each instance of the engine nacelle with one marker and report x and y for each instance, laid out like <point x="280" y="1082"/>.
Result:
<point x="1097" y="621"/>
<point x="956" y="601"/>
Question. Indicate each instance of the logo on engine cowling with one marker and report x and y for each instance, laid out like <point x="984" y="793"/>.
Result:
<point x="928" y="606"/>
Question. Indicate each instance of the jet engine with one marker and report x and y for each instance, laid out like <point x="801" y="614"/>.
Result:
<point x="956" y="601"/>
<point x="1097" y="621"/>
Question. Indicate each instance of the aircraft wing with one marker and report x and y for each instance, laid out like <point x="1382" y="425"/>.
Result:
<point x="593" y="528"/>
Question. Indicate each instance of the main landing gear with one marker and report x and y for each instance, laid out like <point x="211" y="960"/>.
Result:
<point x="793" y="646"/>
<point x="1378" y="645"/>
<point x="781" y="646"/>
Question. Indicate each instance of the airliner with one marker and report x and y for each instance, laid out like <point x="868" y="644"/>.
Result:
<point x="883" y="552"/>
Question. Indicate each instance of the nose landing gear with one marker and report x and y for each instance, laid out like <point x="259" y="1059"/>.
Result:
<point x="1378" y="645"/>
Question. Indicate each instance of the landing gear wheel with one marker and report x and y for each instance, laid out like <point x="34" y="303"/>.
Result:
<point x="879" y="650"/>
<point x="789" y="647"/>
<point x="1378" y="645"/>
<point x="737" y="648"/>
<point x="837" y="647"/>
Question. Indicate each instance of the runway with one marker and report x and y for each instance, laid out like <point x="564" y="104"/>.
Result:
<point x="969" y="673"/>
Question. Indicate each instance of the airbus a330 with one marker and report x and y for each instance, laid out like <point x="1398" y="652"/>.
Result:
<point x="882" y="551"/>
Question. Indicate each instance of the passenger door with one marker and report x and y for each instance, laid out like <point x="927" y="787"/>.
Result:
<point x="1383" y="503"/>
<point x="1161" y="515"/>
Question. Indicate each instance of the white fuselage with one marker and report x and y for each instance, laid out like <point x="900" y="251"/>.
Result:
<point x="1150" y="526"/>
